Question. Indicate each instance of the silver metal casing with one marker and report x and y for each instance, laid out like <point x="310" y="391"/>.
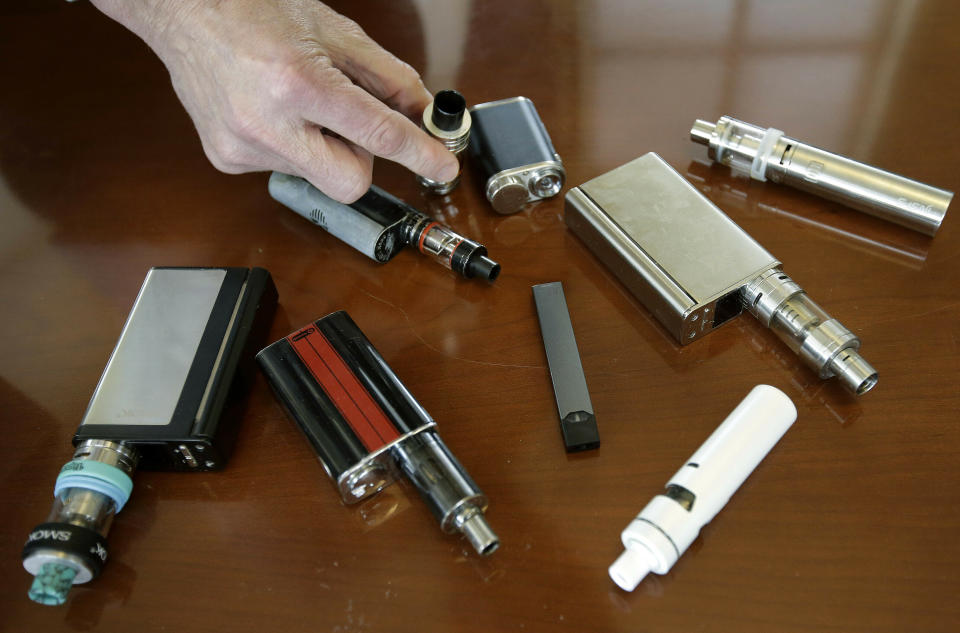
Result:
<point x="766" y="153"/>
<point x="676" y="252"/>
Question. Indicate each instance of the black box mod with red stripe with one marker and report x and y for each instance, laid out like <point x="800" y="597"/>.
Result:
<point x="365" y="425"/>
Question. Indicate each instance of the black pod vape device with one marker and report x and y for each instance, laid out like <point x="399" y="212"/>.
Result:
<point x="365" y="425"/>
<point x="514" y="153"/>
<point x="164" y="402"/>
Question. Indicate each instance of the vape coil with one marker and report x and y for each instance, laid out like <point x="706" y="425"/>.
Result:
<point x="767" y="153"/>
<point x="514" y="153"/>
<point x="366" y="427"/>
<point x="447" y="120"/>
<point x="70" y="548"/>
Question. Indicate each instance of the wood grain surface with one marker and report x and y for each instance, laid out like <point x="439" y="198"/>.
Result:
<point x="850" y="524"/>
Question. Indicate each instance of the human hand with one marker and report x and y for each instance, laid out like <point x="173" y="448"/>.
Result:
<point x="290" y="86"/>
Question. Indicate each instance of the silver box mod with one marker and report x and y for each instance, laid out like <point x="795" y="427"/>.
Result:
<point x="675" y="250"/>
<point x="695" y="269"/>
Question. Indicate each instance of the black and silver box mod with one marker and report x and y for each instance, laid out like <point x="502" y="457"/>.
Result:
<point x="366" y="427"/>
<point x="171" y="375"/>
<point x="164" y="402"/>
<point x="514" y="154"/>
<point x="695" y="269"/>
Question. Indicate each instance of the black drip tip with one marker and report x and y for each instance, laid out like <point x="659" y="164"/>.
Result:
<point x="448" y="109"/>
<point x="483" y="267"/>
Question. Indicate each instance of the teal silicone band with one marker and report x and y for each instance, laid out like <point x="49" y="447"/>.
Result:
<point x="96" y="476"/>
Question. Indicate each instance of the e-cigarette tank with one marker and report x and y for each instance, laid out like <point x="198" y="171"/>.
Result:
<point x="447" y="120"/>
<point x="70" y="547"/>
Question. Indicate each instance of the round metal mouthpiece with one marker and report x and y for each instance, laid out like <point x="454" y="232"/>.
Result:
<point x="702" y="131"/>
<point x="478" y="532"/>
<point x="855" y="372"/>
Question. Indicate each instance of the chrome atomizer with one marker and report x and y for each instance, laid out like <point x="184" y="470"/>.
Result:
<point x="447" y="120"/>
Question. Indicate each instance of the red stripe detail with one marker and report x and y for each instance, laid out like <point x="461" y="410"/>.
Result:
<point x="423" y="235"/>
<point x="452" y="250"/>
<point x="364" y="416"/>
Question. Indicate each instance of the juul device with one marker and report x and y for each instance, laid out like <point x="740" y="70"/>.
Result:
<point x="764" y="153"/>
<point x="667" y="526"/>
<point x="365" y="425"/>
<point x="163" y="403"/>
<point x="379" y="225"/>
<point x="514" y="153"/>
<point x="695" y="269"/>
<point x="578" y="424"/>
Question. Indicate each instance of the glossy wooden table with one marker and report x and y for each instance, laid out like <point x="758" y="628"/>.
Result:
<point x="850" y="524"/>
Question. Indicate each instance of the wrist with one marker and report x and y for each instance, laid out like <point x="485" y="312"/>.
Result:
<point x="152" y="20"/>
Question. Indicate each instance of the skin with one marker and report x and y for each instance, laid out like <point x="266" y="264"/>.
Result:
<point x="290" y="86"/>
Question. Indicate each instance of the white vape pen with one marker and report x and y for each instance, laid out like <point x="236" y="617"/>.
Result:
<point x="664" y="530"/>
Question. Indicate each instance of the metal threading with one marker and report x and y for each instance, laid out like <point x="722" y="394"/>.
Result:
<point x="457" y="144"/>
<point x="111" y="453"/>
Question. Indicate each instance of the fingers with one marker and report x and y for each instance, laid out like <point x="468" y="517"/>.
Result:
<point x="384" y="76"/>
<point x="340" y="169"/>
<point x="375" y="69"/>
<point x="356" y="115"/>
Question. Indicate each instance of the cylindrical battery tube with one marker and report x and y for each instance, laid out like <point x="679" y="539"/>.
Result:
<point x="766" y="153"/>
<point x="666" y="527"/>
<point x="379" y="225"/>
<point x="447" y="120"/>
<point x="70" y="547"/>
<point x="821" y="341"/>
<point x="368" y="233"/>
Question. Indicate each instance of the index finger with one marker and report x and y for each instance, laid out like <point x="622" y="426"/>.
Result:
<point x="373" y="67"/>
<point x="358" y="116"/>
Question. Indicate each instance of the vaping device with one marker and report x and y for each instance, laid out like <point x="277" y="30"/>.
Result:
<point x="379" y="225"/>
<point x="666" y="527"/>
<point x="162" y="403"/>
<point x="768" y="153"/>
<point x="514" y="153"/>
<point x="366" y="427"/>
<point x="447" y="120"/>
<point x="578" y="424"/>
<point x="690" y="265"/>
<point x="895" y="246"/>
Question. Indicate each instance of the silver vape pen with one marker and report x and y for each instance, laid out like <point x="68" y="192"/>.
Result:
<point x="769" y="154"/>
